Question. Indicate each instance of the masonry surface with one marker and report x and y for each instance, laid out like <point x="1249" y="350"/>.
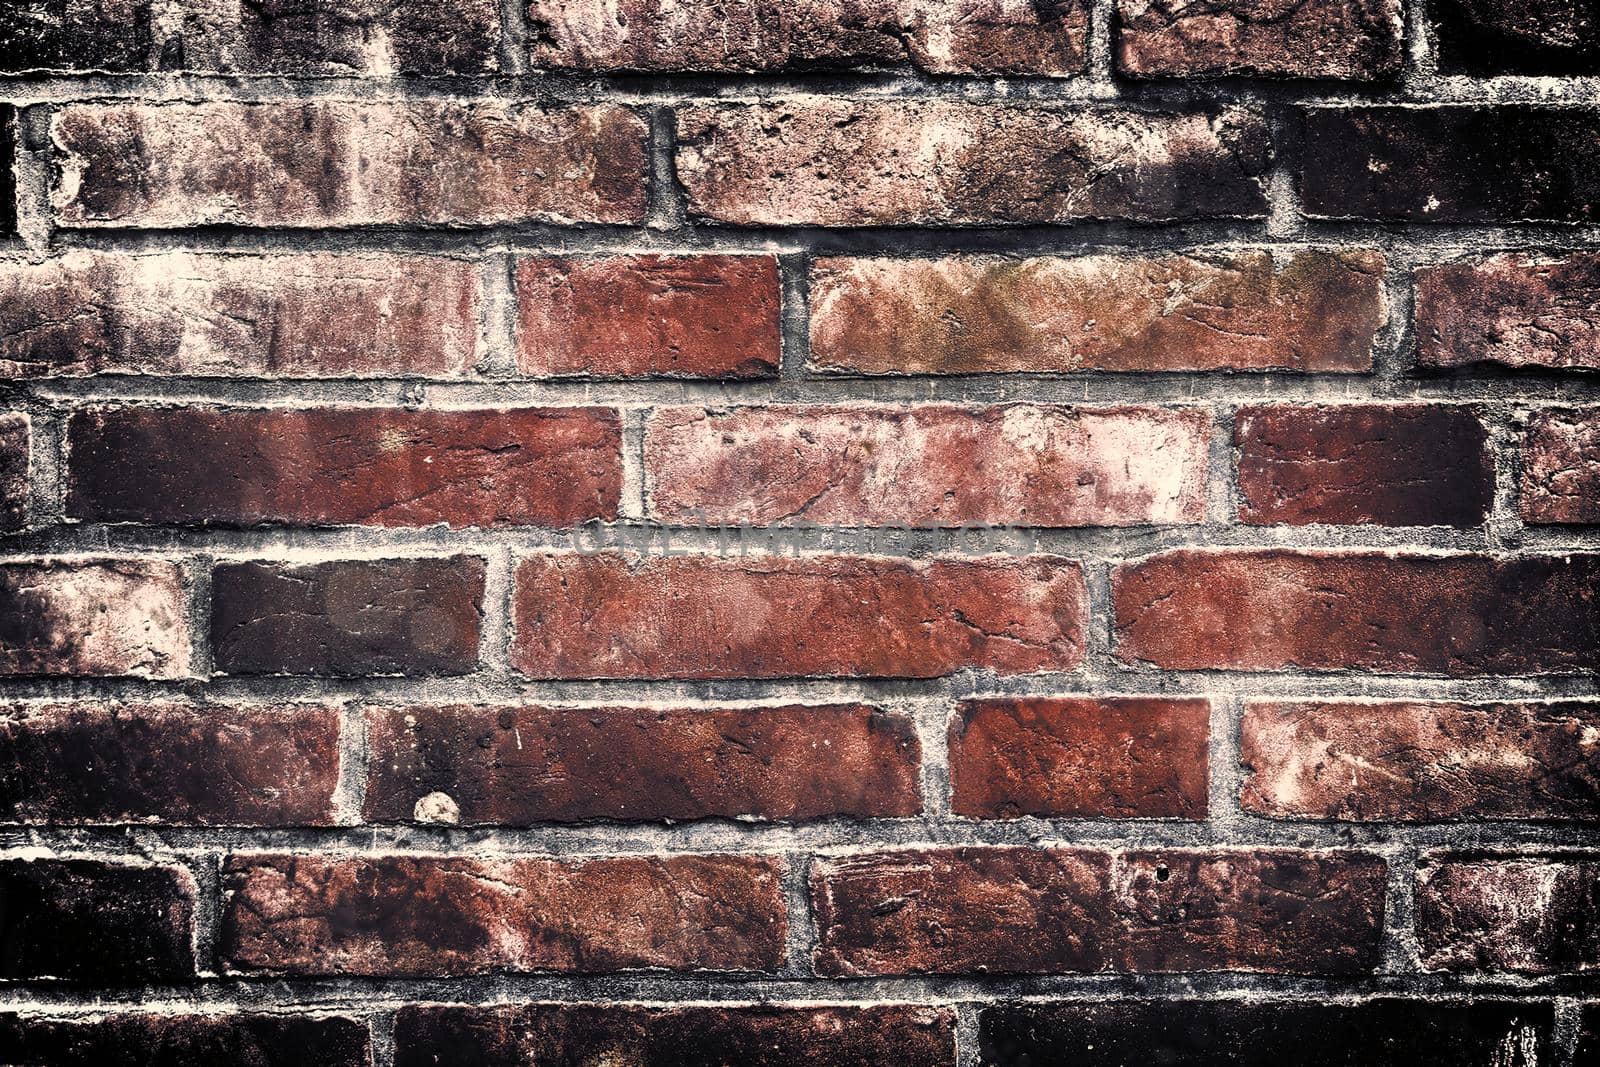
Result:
<point x="938" y="533"/>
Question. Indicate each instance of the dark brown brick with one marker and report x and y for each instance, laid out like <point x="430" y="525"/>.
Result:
<point x="94" y="618"/>
<point x="1485" y="38"/>
<point x="1355" y="40"/>
<point x="525" y="765"/>
<point x="8" y="173"/>
<point x="827" y="162"/>
<point x="337" y="163"/>
<point x="435" y="915"/>
<point x="116" y="36"/>
<point x="1561" y="467"/>
<point x="1451" y="614"/>
<point x="348" y="618"/>
<point x="93" y="762"/>
<point x="929" y="465"/>
<point x="1421" y="762"/>
<point x="1458" y="164"/>
<point x="581" y="1035"/>
<point x="162" y="1039"/>
<point x="332" y="466"/>
<point x="1380" y="1032"/>
<point x="1525" y="914"/>
<point x="1518" y="309"/>
<point x="15" y="437"/>
<point x="1386" y="464"/>
<point x="1080" y="757"/>
<point x="1318" y="311"/>
<point x="1043" y="911"/>
<point x="1049" y="37"/>
<point x="97" y="923"/>
<point x="648" y="316"/>
<point x="608" y="616"/>
<point x="306" y="315"/>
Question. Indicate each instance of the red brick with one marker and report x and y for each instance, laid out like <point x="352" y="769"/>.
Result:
<point x="1561" y="467"/>
<point x="828" y="162"/>
<point x="1519" y="309"/>
<point x="436" y="915"/>
<point x="1044" y="911"/>
<point x="1080" y="757"/>
<point x="181" y="764"/>
<point x="950" y="37"/>
<point x="1419" y="762"/>
<point x="281" y="316"/>
<point x="1451" y="614"/>
<point x="1320" y="311"/>
<point x="97" y="923"/>
<point x="348" y="618"/>
<point x="1354" y="40"/>
<point x="1526" y="914"/>
<point x="527" y="765"/>
<point x="94" y="618"/>
<point x="930" y="465"/>
<point x="343" y="163"/>
<point x="570" y="1035"/>
<point x="15" y="436"/>
<point x="1384" y="464"/>
<point x="648" y="316"/>
<point x="607" y="616"/>
<point x="163" y="1038"/>
<point x="332" y="466"/>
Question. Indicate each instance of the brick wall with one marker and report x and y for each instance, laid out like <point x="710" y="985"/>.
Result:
<point x="931" y="533"/>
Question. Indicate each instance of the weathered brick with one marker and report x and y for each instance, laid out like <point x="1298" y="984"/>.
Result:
<point x="15" y="437"/>
<point x="283" y="316"/>
<point x="1468" y="163"/>
<point x="1561" y="467"/>
<point x="648" y="316"/>
<point x="332" y="466"/>
<point x="1527" y="914"/>
<point x="608" y="616"/>
<point x="1453" y="614"/>
<point x="344" y="163"/>
<point x="1080" y="757"/>
<point x="90" y="762"/>
<point x="572" y="1035"/>
<point x="1588" y="1040"/>
<point x="937" y="36"/>
<point x="1518" y="309"/>
<point x="1387" y="464"/>
<point x="1042" y="911"/>
<point x="8" y="174"/>
<point x="1319" y="311"/>
<point x="94" y="618"/>
<point x="163" y="1039"/>
<point x="1357" y="40"/>
<point x="94" y="922"/>
<point x="83" y="35"/>
<point x="1550" y="37"/>
<point x="525" y="765"/>
<point x="1419" y="762"/>
<point x="828" y="162"/>
<point x="1380" y="1032"/>
<point x="349" y="617"/>
<point x="435" y="915"/>
<point x="929" y="465"/>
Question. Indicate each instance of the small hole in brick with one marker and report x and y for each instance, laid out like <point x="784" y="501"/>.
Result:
<point x="1162" y="874"/>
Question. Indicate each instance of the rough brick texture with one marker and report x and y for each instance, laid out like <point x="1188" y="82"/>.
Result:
<point x="606" y="616"/>
<point x="658" y="1037"/>
<point x="649" y="316"/>
<point x="526" y="765"/>
<point x="734" y="533"/>
<point x="1019" y="465"/>
<point x="278" y="316"/>
<point x="1317" y="311"/>
<point x="428" y="915"/>
<point x="332" y="466"/>
<point x="1037" y="911"/>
